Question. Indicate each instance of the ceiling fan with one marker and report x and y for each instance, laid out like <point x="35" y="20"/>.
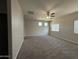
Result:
<point x="50" y="14"/>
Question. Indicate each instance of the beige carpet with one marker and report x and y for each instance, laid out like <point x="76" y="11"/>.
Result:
<point x="45" y="47"/>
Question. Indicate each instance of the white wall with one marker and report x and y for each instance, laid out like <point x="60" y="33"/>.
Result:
<point x="31" y="28"/>
<point x="66" y="27"/>
<point x="17" y="27"/>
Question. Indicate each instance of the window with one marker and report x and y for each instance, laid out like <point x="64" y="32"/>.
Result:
<point x="40" y="23"/>
<point x="46" y="24"/>
<point x="55" y="27"/>
<point x="76" y="26"/>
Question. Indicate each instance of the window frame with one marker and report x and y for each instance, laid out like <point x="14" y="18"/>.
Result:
<point x="54" y="26"/>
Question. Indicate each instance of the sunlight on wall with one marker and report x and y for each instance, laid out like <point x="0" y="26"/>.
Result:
<point x="46" y="24"/>
<point x="40" y="24"/>
<point x="43" y="24"/>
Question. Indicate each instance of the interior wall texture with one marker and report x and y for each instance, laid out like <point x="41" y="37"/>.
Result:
<point x="31" y="27"/>
<point x="17" y="27"/>
<point x="66" y="27"/>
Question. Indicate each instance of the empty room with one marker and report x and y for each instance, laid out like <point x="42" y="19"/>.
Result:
<point x="45" y="29"/>
<point x="50" y="29"/>
<point x="39" y="29"/>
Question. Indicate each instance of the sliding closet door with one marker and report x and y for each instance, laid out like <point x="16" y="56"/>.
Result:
<point x="3" y="30"/>
<point x="3" y="35"/>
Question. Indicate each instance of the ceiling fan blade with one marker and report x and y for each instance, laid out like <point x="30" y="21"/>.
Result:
<point x="49" y="14"/>
<point x="52" y="15"/>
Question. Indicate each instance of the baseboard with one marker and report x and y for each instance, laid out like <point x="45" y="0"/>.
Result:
<point x="19" y="49"/>
<point x="76" y="43"/>
<point x="26" y="37"/>
<point x="58" y="38"/>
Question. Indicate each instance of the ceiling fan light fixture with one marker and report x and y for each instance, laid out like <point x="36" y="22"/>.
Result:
<point x="48" y="17"/>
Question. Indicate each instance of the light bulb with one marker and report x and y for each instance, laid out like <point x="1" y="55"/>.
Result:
<point x="47" y="17"/>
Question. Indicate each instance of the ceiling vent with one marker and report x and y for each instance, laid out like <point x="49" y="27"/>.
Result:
<point x="30" y="12"/>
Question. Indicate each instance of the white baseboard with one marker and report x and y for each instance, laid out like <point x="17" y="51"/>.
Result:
<point x="60" y="38"/>
<point x="19" y="49"/>
<point x="67" y="40"/>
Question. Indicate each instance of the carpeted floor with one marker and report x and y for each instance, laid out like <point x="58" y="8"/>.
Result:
<point x="42" y="47"/>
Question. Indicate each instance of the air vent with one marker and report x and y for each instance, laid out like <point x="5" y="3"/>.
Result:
<point x="30" y="12"/>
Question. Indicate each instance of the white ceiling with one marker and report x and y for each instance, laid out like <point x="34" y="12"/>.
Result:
<point x="40" y="7"/>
